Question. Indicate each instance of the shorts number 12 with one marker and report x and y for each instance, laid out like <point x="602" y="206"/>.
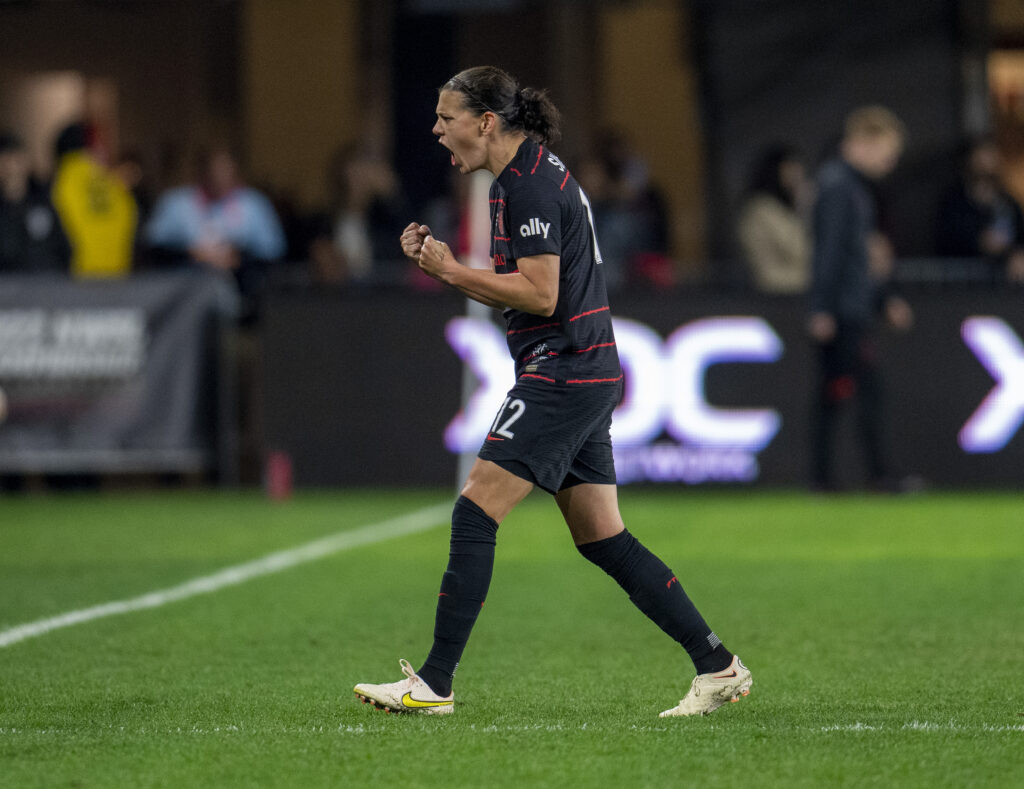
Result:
<point x="515" y="408"/>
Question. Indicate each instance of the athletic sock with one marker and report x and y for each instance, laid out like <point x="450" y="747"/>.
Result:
<point x="655" y="590"/>
<point x="463" y="590"/>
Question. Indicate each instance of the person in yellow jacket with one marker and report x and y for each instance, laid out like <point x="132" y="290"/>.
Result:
<point x="97" y="210"/>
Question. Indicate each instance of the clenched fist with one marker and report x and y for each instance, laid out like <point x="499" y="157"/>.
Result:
<point x="412" y="240"/>
<point x="434" y="256"/>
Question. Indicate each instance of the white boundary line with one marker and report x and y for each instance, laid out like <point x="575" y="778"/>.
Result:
<point x="410" y="523"/>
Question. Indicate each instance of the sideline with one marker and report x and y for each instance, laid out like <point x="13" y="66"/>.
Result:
<point x="410" y="523"/>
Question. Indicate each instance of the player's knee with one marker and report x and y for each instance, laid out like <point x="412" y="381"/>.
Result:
<point x="471" y="525"/>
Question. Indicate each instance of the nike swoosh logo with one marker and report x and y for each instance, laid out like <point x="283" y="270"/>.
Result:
<point x="412" y="703"/>
<point x="727" y="676"/>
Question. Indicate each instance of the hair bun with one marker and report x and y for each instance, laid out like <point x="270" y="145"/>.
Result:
<point x="537" y="115"/>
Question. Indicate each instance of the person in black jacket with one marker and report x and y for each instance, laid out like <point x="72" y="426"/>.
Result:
<point x="31" y="237"/>
<point x="849" y="265"/>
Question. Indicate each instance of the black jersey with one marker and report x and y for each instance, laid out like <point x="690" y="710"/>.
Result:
<point x="538" y="208"/>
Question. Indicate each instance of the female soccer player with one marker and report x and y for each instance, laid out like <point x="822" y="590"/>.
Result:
<point x="553" y="428"/>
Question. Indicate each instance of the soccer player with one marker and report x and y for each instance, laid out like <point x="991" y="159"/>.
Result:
<point x="553" y="428"/>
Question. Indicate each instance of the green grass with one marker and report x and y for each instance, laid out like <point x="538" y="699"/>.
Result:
<point x="885" y="635"/>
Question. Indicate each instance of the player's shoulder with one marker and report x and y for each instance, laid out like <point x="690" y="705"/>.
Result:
<point x="549" y="168"/>
<point x="541" y="173"/>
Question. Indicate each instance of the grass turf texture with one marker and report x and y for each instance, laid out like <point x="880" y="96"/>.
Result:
<point x="885" y="636"/>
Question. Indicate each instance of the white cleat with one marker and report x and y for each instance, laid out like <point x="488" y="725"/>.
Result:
<point x="710" y="691"/>
<point x="411" y="694"/>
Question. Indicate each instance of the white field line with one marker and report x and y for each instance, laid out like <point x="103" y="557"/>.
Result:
<point x="410" y="523"/>
<point x="377" y="728"/>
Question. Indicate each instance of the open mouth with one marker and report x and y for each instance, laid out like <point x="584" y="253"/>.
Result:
<point x="451" y="154"/>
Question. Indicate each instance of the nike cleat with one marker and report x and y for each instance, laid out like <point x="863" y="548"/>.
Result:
<point x="411" y="694"/>
<point x="710" y="691"/>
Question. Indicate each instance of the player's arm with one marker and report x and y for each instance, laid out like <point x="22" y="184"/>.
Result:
<point x="533" y="289"/>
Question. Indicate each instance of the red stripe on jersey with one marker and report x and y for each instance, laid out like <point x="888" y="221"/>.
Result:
<point x="492" y="438"/>
<point x="564" y="182"/>
<point x="589" y="312"/>
<point x="593" y="380"/>
<point x="594" y="347"/>
<point x="499" y="201"/>
<point x="533" y="328"/>
<point x="538" y="354"/>
<point x="502" y="238"/>
<point x="513" y="169"/>
<point x="536" y="164"/>
<point x="541" y="377"/>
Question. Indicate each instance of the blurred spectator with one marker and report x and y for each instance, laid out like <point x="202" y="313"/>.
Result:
<point x="131" y="170"/>
<point x="97" y="211"/>
<point x="626" y="167"/>
<point x="629" y="214"/>
<point x="356" y="240"/>
<point x="31" y="237"/>
<point x="772" y="225"/>
<point x="850" y="262"/>
<point x="979" y="218"/>
<point x="218" y="222"/>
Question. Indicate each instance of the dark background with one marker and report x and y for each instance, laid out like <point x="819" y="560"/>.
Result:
<point x="794" y="68"/>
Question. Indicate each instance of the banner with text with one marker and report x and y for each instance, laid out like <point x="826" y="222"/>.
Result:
<point x="109" y="376"/>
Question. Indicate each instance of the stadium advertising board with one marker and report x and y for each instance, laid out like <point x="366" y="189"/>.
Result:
<point x="719" y="389"/>
<point x="664" y="395"/>
<point x="110" y="376"/>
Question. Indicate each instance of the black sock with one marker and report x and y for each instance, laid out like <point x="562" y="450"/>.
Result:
<point x="656" y="591"/>
<point x="463" y="590"/>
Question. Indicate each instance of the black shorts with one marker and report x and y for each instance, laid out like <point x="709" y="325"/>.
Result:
<point x="555" y="435"/>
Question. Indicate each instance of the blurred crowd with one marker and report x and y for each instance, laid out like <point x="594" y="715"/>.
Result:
<point x="977" y="221"/>
<point x="98" y="215"/>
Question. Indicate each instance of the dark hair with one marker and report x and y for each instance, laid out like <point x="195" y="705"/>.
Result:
<point x="765" y="176"/>
<point x="489" y="89"/>
<point x="73" y="137"/>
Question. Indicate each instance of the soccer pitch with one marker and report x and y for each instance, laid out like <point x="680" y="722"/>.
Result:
<point x="885" y="636"/>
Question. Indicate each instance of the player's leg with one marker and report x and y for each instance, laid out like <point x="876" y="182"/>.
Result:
<point x="489" y="494"/>
<point x="493" y="489"/>
<point x="592" y="514"/>
<point x="588" y="499"/>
